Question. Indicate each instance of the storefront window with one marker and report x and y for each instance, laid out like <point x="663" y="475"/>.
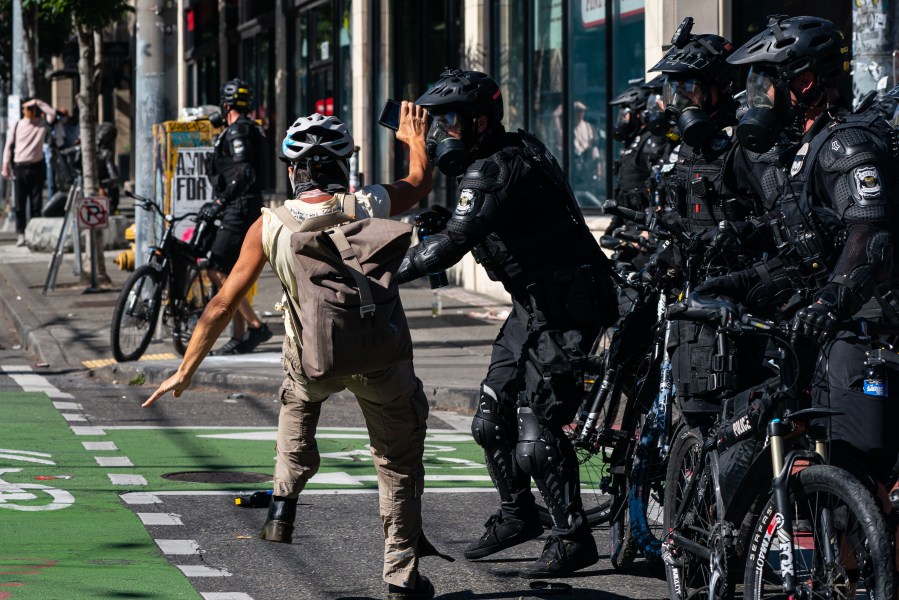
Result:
<point x="425" y="37"/>
<point x="587" y="160"/>
<point x="508" y="59"/>
<point x="546" y="91"/>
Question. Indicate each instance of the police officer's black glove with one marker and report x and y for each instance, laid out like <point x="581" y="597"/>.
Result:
<point x="728" y="237"/>
<point x="210" y="211"/>
<point x="432" y="220"/>
<point x="816" y="321"/>
<point x="734" y="285"/>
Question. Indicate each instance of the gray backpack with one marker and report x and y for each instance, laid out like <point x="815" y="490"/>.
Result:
<point x="349" y="316"/>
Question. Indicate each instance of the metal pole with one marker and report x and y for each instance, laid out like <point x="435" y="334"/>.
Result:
<point x="149" y="98"/>
<point x="19" y="85"/>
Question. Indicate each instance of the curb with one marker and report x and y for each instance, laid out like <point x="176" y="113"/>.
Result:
<point x="461" y="400"/>
<point x="45" y="347"/>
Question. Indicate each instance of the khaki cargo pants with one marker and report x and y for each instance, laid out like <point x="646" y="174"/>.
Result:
<point x="395" y="410"/>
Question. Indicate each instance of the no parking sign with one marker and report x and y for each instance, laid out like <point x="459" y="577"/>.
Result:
<point x="93" y="213"/>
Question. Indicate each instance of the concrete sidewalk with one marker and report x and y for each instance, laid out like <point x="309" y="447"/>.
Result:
<point x="68" y="330"/>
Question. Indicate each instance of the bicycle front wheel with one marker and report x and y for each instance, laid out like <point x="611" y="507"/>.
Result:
<point x="136" y="312"/>
<point x="840" y="548"/>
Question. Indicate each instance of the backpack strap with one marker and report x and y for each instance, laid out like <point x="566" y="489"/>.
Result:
<point x="366" y="302"/>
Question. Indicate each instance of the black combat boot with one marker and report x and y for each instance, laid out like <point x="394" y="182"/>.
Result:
<point x="279" y="523"/>
<point x="562" y="557"/>
<point x="503" y="532"/>
<point x="423" y="590"/>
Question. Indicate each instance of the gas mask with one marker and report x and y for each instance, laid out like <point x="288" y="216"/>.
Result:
<point x="684" y="101"/>
<point x="445" y="145"/>
<point x="657" y="121"/>
<point x="770" y="111"/>
<point x="626" y="124"/>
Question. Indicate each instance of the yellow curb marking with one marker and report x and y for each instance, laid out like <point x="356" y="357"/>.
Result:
<point x="105" y="362"/>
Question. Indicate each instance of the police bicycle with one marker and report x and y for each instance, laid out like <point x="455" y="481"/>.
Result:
<point x="750" y="498"/>
<point x="173" y="282"/>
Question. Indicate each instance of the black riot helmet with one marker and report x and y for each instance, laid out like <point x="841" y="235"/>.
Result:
<point x="692" y="65"/>
<point x="656" y="120"/>
<point x="238" y="95"/>
<point x="788" y="48"/>
<point x="631" y="105"/>
<point x="455" y="102"/>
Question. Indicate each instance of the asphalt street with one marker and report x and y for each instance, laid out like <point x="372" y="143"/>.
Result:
<point x="336" y="553"/>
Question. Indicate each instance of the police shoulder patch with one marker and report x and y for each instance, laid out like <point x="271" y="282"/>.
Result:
<point x="798" y="160"/>
<point x="867" y="181"/>
<point x="238" y="146"/>
<point x="466" y="201"/>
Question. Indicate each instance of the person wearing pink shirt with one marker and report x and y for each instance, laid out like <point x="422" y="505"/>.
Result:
<point x="23" y="157"/>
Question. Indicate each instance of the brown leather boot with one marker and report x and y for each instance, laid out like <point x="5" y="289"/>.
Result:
<point x="279" y="523"/>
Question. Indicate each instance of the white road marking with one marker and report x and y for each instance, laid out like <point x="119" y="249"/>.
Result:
<point x="113" y="461"/>
<point x="120" y="479"/>
<point x="32" y="382"/>
<point x="140" y="498"/>
<point x="160" y="518"/>
<point x="66" y="405"/>
<point x="74" y="417"/>
<point x="99" y="446"/>
<point x="225" y="596"/>
<point x="32" y="459"/>
<point x="178" y="546"/>
<point x="271" y="435"/>
<point x="198" y="571"/>
<point x="79" y="430"/>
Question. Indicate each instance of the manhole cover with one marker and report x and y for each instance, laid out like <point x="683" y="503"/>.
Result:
<point x="218" y="477"/>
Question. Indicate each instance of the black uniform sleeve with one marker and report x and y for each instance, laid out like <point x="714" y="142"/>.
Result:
<point x="855" y="173"/>
<point x="480" y="195"/>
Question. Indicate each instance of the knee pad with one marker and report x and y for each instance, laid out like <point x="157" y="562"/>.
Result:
<point x="536" y="450"/>
<point x="489" y="427"/>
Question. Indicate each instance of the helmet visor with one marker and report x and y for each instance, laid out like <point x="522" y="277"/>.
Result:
<point x="443" y="128"/>
<point x="655" y="102"/>
<point x="760" y="89"/>
<point x="625" y="116"/>
<point x="683" y="94"/>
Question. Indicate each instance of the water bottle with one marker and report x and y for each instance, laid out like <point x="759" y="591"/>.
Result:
<point x="875" y="383"/>
<point x="436" y="304"/>
<point x="255" y="500"/>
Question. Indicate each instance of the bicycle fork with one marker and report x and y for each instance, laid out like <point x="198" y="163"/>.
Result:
<point x="783" y="518"/>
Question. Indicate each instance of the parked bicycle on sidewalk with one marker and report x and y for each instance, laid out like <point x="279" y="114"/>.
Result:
<point x="173" y="281"/>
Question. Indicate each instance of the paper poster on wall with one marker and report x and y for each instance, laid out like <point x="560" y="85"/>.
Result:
<point x="191" y="188"/>
<point x="593" y="12"/>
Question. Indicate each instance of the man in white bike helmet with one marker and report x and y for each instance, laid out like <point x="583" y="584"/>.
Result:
<point x="317" y="149"/>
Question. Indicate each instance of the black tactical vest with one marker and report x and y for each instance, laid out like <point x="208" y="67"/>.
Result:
<point x="698" y="189"/>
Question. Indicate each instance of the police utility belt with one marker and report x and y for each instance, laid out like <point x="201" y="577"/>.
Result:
<point x="567" y="296"/>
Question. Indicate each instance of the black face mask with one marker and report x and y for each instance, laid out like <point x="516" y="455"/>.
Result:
<point x="450" y="155"/>
<point x="695" y="126"/>
<point x="625" y="129"/>
<point x="758" y="129"/>
<point x="658" y="122"/>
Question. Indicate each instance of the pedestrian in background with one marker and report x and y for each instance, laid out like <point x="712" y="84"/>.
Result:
<point x="23" y="158"/>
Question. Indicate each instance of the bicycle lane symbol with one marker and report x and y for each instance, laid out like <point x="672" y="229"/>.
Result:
<point x="31" y="497"/>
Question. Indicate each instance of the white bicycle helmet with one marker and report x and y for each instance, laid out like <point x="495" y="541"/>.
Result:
<point x="317" y="138"/>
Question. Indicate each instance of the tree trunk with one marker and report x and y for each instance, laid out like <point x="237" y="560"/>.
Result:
<point x="29" y="47"/>
<point x="87" y="105"/>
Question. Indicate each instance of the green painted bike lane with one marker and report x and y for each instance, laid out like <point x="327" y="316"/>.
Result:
<point x="68" y="538"/>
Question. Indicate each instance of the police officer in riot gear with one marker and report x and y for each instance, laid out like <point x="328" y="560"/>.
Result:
<point x="834" y="226"/>
<point x="518" y="217"/>
<point x="233" y="172"/>
<point x="643" y="149"/>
